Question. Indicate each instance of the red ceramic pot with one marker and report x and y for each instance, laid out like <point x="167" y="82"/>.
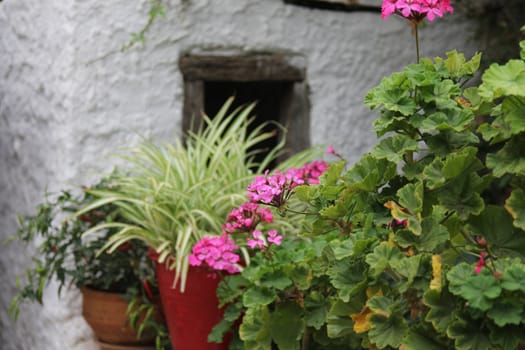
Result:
<point x="190" y="315"/>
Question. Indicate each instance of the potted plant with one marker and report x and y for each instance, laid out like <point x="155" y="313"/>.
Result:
<point x="171" y="195"/>
<point x="419" y="245"/>
<point x="119" y="290"/>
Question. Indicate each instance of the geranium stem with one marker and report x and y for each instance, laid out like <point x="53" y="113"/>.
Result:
<point x="417" y="41"/>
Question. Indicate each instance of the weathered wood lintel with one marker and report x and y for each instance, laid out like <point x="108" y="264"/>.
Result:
<point x="248" y="67"/>
<point x="334" y="6"/>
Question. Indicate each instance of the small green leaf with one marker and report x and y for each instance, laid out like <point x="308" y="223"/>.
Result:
<point x="276" y="280"/>
<point x="370" y="173"/>
<point x="478" y="290"/>
<point x="394" y="148"/>
<point x="316" y="309"/>
<point x="506" y="311"/>
<point x="387" y="331"/>
<point x="514" y="278"/>
<point x="500" y="80"/>
<point x="468" y="336"/>
<point x="381" y="258"/>
<point x="418" y="339"/>
<point x="508" y="337"/>
<point x="254" y="329"/>
<point x="256" y="296"/>
<point x="287" y="325"/>
<point x="509" y="159"/>
<point x="496" y="225"/>
<point x="515" y="205"/>
<point x="381" y="305"/>
<point x="441" y="306"/>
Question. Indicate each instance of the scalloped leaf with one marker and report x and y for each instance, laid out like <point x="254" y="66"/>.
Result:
<point x="442" y="308"/>
<point x="509" y="121"/>
<point x="503" y="80"/>
<point x="387" y="331"/>
<point x="254" y="329"/>
<point x="496" y="225"/>
<point x="514" y="278"/>
<point x="418" y="339"/>
<point x="394" y="148"/>
<point x="468" y="336"/>
<point x="463" y="195"/>
<point x="258" y="296"/>
<point x="510" y="159"/>
<point x="381" y="258"/>
<point x="506" y="311"/>
<point x="508" y="337"/>
<point x="515" y="205"/>
<point x="287" y="325"/>
<point x="370" y="173"/>
<point x="348" y="277"/>
<point x="458" y="66"/>
<point x="479" y="290"/>
<point x="456" y="119"/>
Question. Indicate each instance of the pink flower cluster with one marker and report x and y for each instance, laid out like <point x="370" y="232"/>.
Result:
<point x="275" y="189"/>
<point x="259" y="241"/>
<point x="246" y="218"/>
<point x="416" y="9"/>
<point x="217" y="252"/>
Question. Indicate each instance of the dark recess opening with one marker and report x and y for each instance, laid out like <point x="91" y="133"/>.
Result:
<point x="267" y="95"/>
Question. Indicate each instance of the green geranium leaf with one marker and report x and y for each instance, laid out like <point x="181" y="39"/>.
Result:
<point x="387" y="331"/>
<point x="432" y="235"/>
<point x="514" y="278"/>
<point x="510" y="159"/>
<point x="394" y="148"/>
<point x="442" y="94"/>
<point x="463" y="195"/>
<point x="468" y="336"/>
<point x="460" y="162"/>
<point x="276" y="280"/>
<point x="254" y="329"/>
<point x="381" y="305"/>
<point x="479" y="290"/>
<point x="500" y="80"/>
<point x="506" y="311"/>
<point x="338" y="321"/>
<point x="407" y="267"/>
<point x="300" y="273"/>
<point x="442" y="308"/>
<point x="496" y="225"/>
<point x="510" y="121"/>
<point x="515" y="205"/>
<point x="370" y="173"/>
<point x="458" y="66"/>
<point x="287" y="325"/>
<point x="419" y="339"/>
<point x="381" y="258"/>
<point x="316" y="309"/>
<point x="455" y="119"/>
<point x="348" y="277"/>
<point x="508" y="337"/>
<point x="256" y="296"/>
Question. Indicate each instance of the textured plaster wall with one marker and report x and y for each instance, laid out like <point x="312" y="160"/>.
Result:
<point x="69" y="98"/>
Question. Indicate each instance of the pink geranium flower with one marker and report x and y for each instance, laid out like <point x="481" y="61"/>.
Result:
<point x="217" y="253"/>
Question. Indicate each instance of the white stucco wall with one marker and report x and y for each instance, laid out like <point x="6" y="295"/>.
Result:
<point x="69" y="97"/>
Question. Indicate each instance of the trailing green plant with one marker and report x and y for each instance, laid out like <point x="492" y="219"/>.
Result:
<point x="171" y="195"/>
<point x="65" y="257"/>
<point x="419" y="245"/>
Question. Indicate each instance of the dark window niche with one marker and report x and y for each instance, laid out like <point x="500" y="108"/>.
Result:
<point x="276" y="86"/>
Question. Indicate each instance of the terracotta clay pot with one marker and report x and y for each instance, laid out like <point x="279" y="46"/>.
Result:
<point x="106" y="315"/>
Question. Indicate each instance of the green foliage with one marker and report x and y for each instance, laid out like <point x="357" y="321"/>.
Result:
<point x="64" y="256"/>
<point x="421" y="244"/>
